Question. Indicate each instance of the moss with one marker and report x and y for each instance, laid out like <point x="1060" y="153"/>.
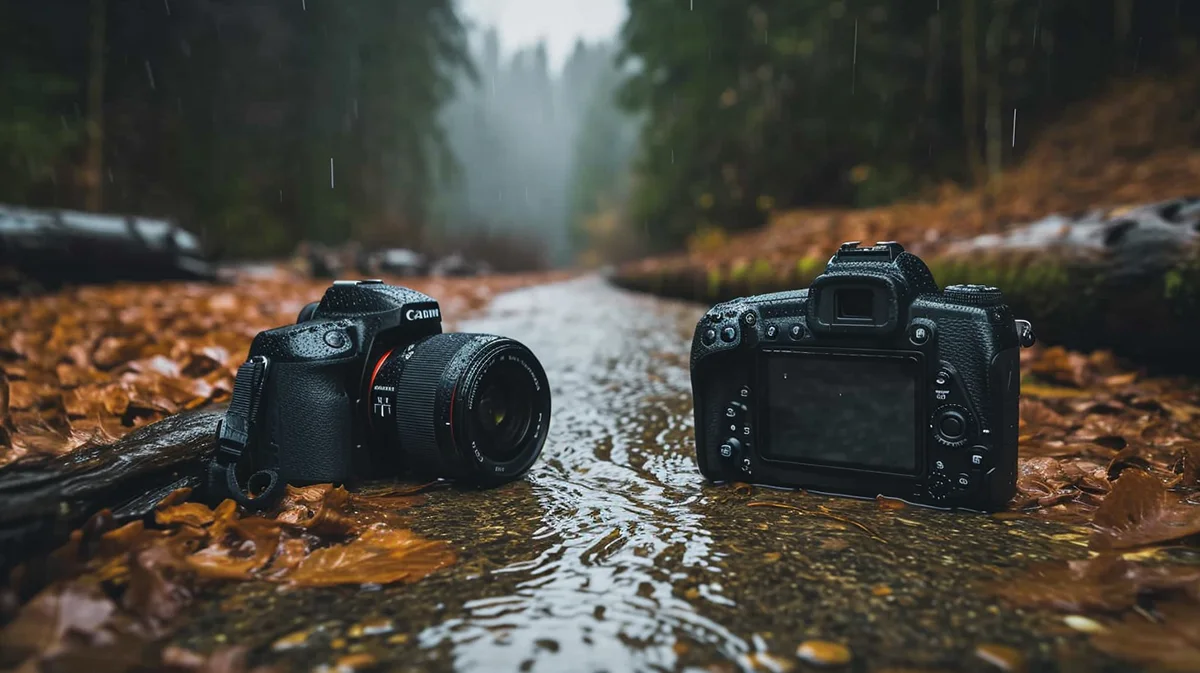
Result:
<point x="1173" y="284"/>
<point x="761" y="277"/>
<point x="807" y="269"/>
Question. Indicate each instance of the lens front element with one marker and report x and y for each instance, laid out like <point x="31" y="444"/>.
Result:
<point x="467" y="406"/>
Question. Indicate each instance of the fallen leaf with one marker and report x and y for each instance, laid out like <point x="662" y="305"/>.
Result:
<point x="378" y="556"/>
<point x="1140" y="511"/>
<point x="1167" y="640"/>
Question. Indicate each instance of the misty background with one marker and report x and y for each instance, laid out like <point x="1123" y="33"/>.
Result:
<point x="534" y="133"/>
<point x="543" y="149"/>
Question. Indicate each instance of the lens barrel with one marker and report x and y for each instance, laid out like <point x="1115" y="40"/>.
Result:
<point x="471" y="407"/>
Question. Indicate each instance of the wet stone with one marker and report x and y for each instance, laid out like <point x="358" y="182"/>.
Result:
<point x="823" y="653"/>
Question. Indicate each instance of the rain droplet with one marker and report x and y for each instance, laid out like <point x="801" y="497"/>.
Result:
<point x="331" y="172"/>
<point x="1014" y="138"/>
<point x="167" y="5"/>
<point x="854" y="61"/>
<point x="150" y="75"/>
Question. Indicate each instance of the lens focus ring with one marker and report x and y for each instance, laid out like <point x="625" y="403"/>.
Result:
<point x="468" y="406"/>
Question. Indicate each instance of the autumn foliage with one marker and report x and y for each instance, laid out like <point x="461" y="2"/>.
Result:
<point x="92" y="363"/>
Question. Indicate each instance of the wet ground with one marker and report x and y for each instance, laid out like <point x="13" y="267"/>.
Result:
<point x="615" y="555"/>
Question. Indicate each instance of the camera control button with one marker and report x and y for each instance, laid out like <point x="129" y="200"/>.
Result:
<point x="975" y="295"/>
<point x="978" y="457"/>
<point x="942" y="378"/>
<point x="371" y="281"/>
<point x="919" y="334"/>
<point x="772" y="331"/>
<point x="950" y="425"/>
<point x="731" y="449"/>
<point x="744" y="393"/>
<point x="709" y="336"/>
<point x="335" y="339"/>
<point x="796" y="331"/>
<point x="939" y="487"/>
<point x="728" y="334"/>
<point x="963" y="481"/>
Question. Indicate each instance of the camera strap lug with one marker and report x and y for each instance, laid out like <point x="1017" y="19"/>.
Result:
<point x="1025" y="333"/>
<point x="234" y="434"/>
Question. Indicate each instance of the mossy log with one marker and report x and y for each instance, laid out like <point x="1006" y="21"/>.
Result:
<point x="42" y="501"/>
<point x="1125" y="280"/>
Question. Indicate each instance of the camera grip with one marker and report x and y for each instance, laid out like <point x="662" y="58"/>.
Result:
<point x="308" y="433"/>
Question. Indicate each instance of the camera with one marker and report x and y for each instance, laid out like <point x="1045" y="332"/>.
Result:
<point x="366" y="384"/>
<point x="872" y="381"/>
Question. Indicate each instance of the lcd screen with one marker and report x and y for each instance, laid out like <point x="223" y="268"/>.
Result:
<point x="842" y="410"/>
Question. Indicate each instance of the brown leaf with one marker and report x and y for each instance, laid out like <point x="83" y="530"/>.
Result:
<point x="1169" y="640"/>
<point x="1140" y="511"/>
<point x="378" y="556"/>
<point x="1105" y="583"/>
<point x="191" y="513"/>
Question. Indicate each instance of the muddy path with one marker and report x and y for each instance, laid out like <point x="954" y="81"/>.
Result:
<point x="614" y="554"/>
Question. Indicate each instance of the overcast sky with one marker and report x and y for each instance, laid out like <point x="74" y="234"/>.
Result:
<point x="560" y="22"/>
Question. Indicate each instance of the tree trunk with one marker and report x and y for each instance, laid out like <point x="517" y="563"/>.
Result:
<point x="1122" y="24"/>
<point x="93" y="168"/>
<point x="970" y="69"/>
<point x="995" y="94"/>
<point x="47" y="499"/>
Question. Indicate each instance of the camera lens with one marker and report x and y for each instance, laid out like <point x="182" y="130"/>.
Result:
<point x="462" y="406"/>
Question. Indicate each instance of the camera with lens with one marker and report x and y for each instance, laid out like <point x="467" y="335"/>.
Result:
<point x="366" y="385"/>
<point x="872" y="381"/>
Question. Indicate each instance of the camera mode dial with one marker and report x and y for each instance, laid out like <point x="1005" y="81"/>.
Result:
<point x="975" y="295"/>
<point x="951" y="425"/>
<point x="940" y="486"/>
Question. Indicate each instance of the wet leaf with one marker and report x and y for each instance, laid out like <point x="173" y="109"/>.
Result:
<point x="1140" y="511"/>
<point x="1167" y="639"/>
<point x="92" y="363"/>
<point x="823" y="653"/>
<point x="378" y="556"/>
<point x="1106" y="583"/>
<point x="1001" y="657"/>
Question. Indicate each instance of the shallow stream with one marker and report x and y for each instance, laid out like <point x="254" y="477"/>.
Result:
<point x="615" y="555"/>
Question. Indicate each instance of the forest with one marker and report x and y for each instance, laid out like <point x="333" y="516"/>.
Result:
<point x="262" y="123"/>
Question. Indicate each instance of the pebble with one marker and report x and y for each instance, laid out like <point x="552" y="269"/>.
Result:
<point x="1084" y="624"/>
<point x="355" y="662"/>
<point x="1002" y="657"/>
<point x="371" y="627"/>
<point x="765" y="661"/>
<point x="292" y="640"/>
<point x="823" y="653"/>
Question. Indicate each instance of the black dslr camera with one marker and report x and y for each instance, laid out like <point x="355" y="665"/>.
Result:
<point x="365" y="384"/>
<point x="870" y="382"/>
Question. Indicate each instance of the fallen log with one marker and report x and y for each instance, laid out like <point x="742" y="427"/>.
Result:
<point x="1126" y="280"/>
<point x="44" y="500"/>
<point x="42" y="249"/>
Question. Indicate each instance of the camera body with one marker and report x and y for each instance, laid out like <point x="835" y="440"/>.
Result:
<point x="366" y="385"/>
<point x="872" y="381"/>
<point x="312" y="426"/>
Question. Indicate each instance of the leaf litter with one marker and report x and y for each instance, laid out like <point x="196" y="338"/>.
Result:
<point x="90" y="364"/>
<point x="119" y="591"/>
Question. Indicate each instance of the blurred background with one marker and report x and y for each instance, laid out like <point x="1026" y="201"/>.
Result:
<point x="507" y="135"/>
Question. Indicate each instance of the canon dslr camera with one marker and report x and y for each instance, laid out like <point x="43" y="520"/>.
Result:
<point x="870" y="382"/>
<point x="365" y="384"/>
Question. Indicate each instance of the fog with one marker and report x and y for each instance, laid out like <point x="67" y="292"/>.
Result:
<point x="538" y="151"/>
